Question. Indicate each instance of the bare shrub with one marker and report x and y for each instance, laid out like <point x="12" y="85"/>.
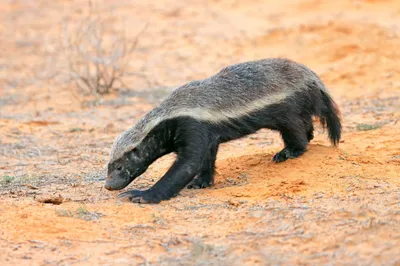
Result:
<point x="96" y="61"/>
<point x="92" y="52"/>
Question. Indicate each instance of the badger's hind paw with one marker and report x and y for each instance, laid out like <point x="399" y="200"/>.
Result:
<point x="137" y="196"/>
<point x="286" y="153"/>
<point x="280" y="157"/>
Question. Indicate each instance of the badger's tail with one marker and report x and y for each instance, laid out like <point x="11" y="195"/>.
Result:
<point x="329" y="117"/>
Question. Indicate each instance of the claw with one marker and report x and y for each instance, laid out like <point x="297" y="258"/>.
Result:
<point x="137" y="196"/>
<point x="128" y="194"/>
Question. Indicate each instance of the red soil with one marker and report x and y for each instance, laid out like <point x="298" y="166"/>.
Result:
<point x="331" y="206"/>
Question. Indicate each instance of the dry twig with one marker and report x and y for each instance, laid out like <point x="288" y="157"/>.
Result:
<point x="96" y="60"/>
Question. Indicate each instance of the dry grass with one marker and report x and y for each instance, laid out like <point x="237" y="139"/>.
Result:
<point x="79" y="213"/>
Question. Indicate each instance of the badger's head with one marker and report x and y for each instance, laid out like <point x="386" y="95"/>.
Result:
<point x="128" y="160"/>
<point x="134" y="150"/>
<point x="123" y="171"/>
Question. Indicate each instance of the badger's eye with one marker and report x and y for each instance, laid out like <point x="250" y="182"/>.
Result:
<point x="119" y="168"/>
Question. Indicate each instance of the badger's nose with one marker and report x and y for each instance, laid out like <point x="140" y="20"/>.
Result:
<point x="108" y="187"/>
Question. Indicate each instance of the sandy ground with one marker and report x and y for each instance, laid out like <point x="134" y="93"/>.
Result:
<point x="332" y="206"/>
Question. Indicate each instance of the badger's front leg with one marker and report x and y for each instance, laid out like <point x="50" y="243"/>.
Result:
<point x="192" y="143"/>
<point x="176" y="178"/>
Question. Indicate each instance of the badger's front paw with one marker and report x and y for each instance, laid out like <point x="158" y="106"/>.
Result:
<point x="199" y="183"/>
<point x="138" y="196"/>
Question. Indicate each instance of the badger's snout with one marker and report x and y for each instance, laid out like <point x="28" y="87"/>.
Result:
<point x="116" y="182"/>
<point x="107" y="186"/>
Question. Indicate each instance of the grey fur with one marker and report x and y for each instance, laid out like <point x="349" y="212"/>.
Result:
<point x="234" y="91"/>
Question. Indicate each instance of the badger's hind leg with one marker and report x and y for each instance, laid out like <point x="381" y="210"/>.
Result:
<point x="310" y="129"/>
<point x="295" y="137"/>
<point x="206" y="176"/>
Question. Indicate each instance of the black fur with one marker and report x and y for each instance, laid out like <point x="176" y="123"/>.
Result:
<point x="196" y="143"/>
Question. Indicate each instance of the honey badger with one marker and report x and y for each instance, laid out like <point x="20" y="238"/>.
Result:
<point x="195" y="118"/>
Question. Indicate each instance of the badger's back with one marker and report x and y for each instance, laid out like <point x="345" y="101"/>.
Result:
<point x="235" y="91"/>
<point x="243" y="85"/>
